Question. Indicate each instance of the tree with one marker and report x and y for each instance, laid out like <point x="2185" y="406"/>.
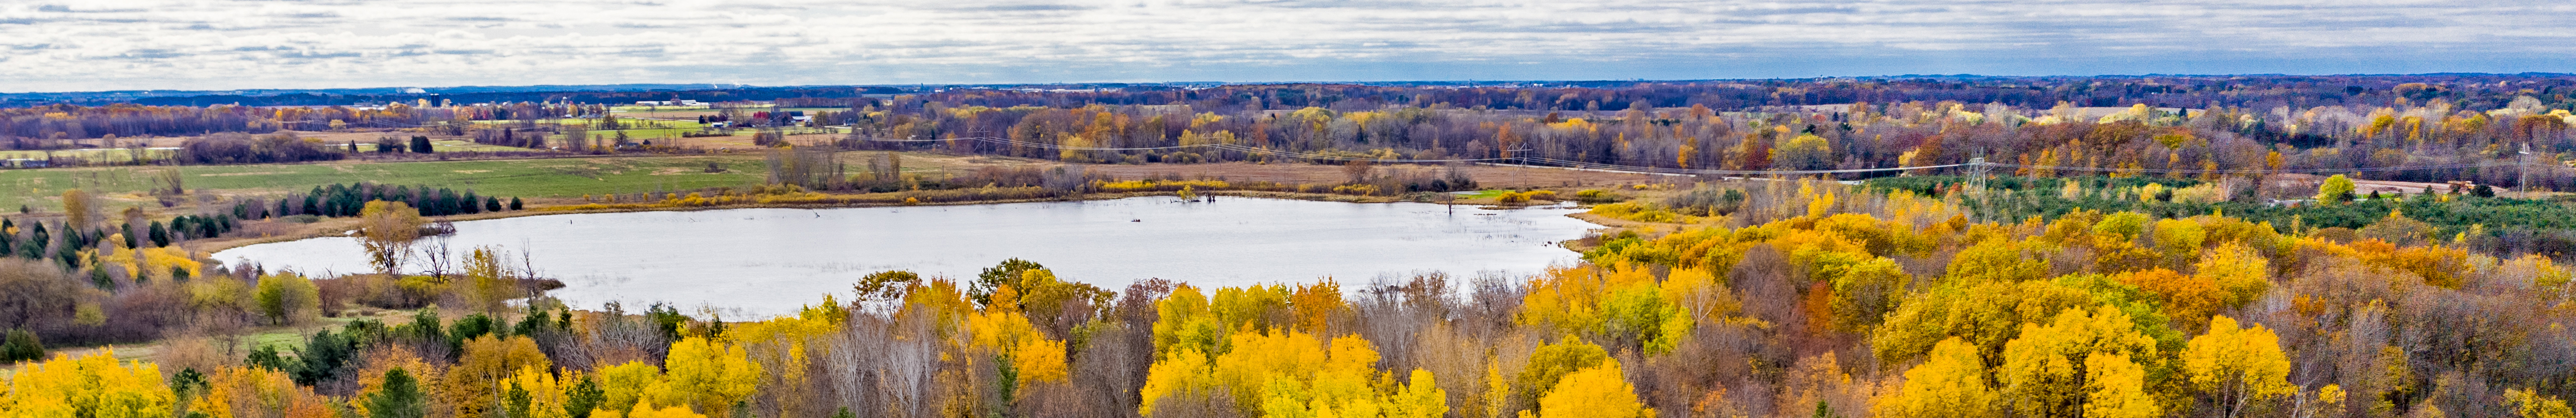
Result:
<point x="487" y="361"/>
<point x="1552" y="363"/>
<point x="92" y="386"/>
<point x="2529" y="404"/>
<point x="1951" y="383"/>
<point x="1594" y="392"/>
<point x="21" y="346"/>
<point x="2336" y="189"/>
<point x="287" y="298"/>
<point x="420" y="145"/>
<point x="386" y="230"/>
<point x="33" y="292"/>
<point x="710" y="375"/>
<point x="2079" y="364"/>
<point x="1805" y="152"/>
<point x="79" y="209"/>
<point x="487" y="285"/>
<point x="2235" y="367"/>
<point x="399" y="397"/>
<point x="1008" y="272"/>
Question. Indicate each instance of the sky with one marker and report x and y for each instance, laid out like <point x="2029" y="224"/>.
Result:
<point x="87" y="45"/>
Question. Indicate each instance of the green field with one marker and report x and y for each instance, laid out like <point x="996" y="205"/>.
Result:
<point x="641" y="129"/>
<point x="555" y="177"/>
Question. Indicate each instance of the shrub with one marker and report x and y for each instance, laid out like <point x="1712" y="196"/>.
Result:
<point x="1707" y="201"/>
<point x="21" y="346"/>
<point x="1597" y="196"/>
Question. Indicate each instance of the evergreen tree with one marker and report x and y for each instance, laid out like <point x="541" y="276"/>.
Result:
<point x="400" y="398"/>
<point x="21" y="346"/>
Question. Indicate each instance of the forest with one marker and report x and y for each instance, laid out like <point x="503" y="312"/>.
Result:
<point x="1804" y="298"/>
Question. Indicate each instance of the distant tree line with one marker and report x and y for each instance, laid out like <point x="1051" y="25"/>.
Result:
<point x="345" y="200"/>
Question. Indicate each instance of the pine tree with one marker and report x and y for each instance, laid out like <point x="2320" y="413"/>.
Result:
<point x="400" y="398"/>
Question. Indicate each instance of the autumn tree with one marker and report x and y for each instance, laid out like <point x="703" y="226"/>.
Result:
<point x="2080" y="364"/>
<point x="96" y="385"/>
<point x="386" y="230"/>
<point x="709" y="375"/>
<point x="480" y="372"/>
<point x="1951" y="383"/>
<point x="1805" y="152"/>
<point x="287" y="298"/>
<point x="2336" y="189"/>
<point x="1594" y="392"/>
<point x="2233" y="368"/>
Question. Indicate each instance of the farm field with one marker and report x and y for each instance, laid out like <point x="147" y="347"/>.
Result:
<point x="40" y="189"/>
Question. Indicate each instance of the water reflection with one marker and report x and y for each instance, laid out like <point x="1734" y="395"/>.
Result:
<point x="767" y="261"/>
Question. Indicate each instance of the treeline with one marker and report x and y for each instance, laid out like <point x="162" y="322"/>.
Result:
<point x="2471" y="217"/>
<point x="345" y="200"/>
<point x="1806" y="299"/>
<point x="2454" y="127"/>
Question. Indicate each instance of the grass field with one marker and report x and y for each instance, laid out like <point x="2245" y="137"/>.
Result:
<point x="558" y="177"/>
<point x="42" y="189"/>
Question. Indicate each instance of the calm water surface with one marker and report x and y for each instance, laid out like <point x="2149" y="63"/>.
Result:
<point x="768" y="261"/>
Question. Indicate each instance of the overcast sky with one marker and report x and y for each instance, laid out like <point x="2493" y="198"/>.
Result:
<point x="67" y="45"/>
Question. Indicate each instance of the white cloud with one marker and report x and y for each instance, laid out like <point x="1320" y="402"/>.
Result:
<point x="219" y="44"/>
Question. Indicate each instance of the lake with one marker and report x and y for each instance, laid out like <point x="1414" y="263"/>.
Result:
<point x="769" y="261"/>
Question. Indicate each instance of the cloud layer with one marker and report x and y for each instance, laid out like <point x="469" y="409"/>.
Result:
<point x="224" y="44"/>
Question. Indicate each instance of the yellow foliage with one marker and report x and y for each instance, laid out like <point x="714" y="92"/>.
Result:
<point x="624" y="385"/>
<point x="91" y="386"/>
<point x="2079" y="364"/>
<point x="487" y="362"/>
<point x="2237" y="365"/>
<point x="646" y="410"/>
<point x="2528" y="404"/>
<point x="1950" y="384"/>
<point x="709" y="375"/>
<point x="1597" y="392"/>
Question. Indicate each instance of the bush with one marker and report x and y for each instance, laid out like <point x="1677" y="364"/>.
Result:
<point x="1597" y="196"/>
<point x="21" y="346"/>
<point x="1707" y="201"/>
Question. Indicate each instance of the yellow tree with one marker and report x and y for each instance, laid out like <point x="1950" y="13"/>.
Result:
<point x="2336" y="189"/>
<point x="487" y="286"/>
<point x="1597" y="392"/>
<point x="478" y="373"/>
<point x="710" y="375"/>
<point x="2235" y="367"/>
<point x="2528" y="404"/>
<point x="91" y="386"/>
<point x="2060" y="369"/>
<point x="624" y="386"/>
<point x="1951" y="383"/>
<point x="386" y="230"/>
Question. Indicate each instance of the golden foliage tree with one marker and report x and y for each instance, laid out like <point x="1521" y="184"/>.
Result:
<point x="480" y="372"/>
<point x="91" y="386"/>
<point x="2236" y="367"/>
<point x="709" y="375"/>
<point x="1594" y="392"/>
<point x="2076" y="361"/>
<point x="386" y="230"/>
<point x="1951" y="383"/>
